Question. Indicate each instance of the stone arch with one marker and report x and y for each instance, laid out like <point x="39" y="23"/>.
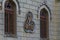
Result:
<point x="14" y="9"/>
<point x="42" y="8"/>
<point x="48" y="9"/>
<point x="17" y="6"/>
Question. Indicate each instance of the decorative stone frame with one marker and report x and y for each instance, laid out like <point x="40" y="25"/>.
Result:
<point x="49" y="16"/>
<point x="17" y="11"/>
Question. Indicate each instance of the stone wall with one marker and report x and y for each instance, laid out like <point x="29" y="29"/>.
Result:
<point x="25" y="6"/>
<point x="57" y="13"/>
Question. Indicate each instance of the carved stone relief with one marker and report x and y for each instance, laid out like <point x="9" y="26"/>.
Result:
<point x="29" y="23"/>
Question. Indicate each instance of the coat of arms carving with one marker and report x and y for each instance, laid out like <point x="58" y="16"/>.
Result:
<point x="29" y="23"/>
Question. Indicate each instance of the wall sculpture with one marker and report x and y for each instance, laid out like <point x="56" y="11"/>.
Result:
<point x="29" y="23"/>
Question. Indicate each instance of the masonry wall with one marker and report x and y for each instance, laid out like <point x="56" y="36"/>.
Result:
<point x="52" y="28"/>
<point x="25" y="6"/>
<point x="57" y="12"/>
<point x="28" y="5"/>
